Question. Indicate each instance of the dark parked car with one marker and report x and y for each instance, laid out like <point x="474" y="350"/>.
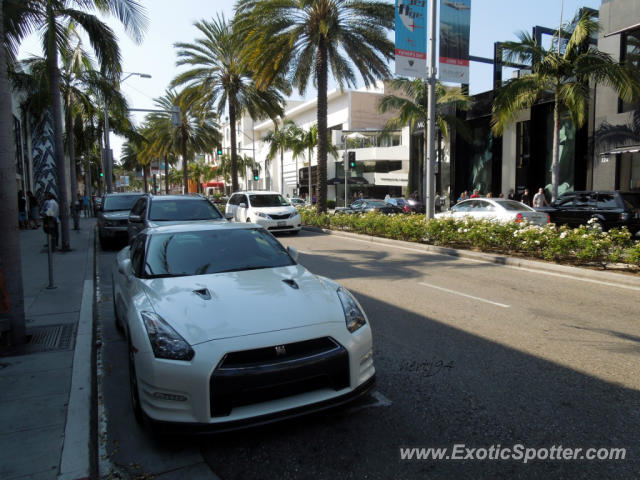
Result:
<point x="153" y="211"/>
<point x="609" y="209"/>
<point x="113" y="216"/>
<point x="364" y="205"/>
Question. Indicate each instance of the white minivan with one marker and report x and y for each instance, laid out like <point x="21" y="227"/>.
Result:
<point x="268" y="209"/>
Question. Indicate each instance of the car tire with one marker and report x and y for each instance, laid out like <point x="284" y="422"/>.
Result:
<point x="248" y="220"/>
<point x="134" y="394"/>
<point x="116" y="317"/>
<point x="295" y="232"/>
<point x="104" y="243"/>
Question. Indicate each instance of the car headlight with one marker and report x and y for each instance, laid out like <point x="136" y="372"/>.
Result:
<point x="263" y="215"/>
<point x="353" y="316"/>
<point x="165" y="341"/>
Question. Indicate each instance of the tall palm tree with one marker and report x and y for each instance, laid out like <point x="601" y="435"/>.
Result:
<point x="563" y="73"/>
<point x="280" y="139"/>
<point x="11" y="291"/>
<point x="219" y="78"/>
<point x="197" y="133"/>
<point x="412" y="109"/>
<point x="49" y="17"/>
<point x="306" y="38"/>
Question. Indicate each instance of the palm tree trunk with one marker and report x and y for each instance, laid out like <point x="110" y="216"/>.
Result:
<point x="309" y="172"/>
<point x="12" y="308"/>
<point x="555" y="163"/>
<point x="144" y="178"/>
<point x="185" y="161"/>
<point x="281" y="171"/>
<point x="322" y="128"/>
<point x="166" y="176"/>
<point x="56" y="106"/>
<point x="72" y="171"/>
<point x="234" y="153"/>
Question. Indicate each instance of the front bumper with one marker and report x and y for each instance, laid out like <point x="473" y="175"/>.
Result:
<point x="179" y="392"/>
<point x="113" y="231"/>
<point x="286" y="225"/>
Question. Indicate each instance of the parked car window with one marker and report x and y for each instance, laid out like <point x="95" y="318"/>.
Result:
<point x="183" y="209"/>
<point x="631" y="198"/>
<point x="583" y="200"/>
<point x="606" y="201"/>
<point x="271" y="200"/>
<point x="213" y="251"/>
<point x="481" y="205"/>
<point x="137" y="254"/>
<point x="119" y="202"/>
<point x="139" y="207"/>
<point x="235" y="200"/>
<point x="461" y="207"/>
<point x="513" y="206"/>
<point x="565" y="201"/>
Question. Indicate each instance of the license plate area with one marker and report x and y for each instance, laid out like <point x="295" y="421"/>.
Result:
<point x="282" y="224"/>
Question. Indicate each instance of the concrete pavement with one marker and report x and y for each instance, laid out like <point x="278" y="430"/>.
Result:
<point x="45" y="385"/>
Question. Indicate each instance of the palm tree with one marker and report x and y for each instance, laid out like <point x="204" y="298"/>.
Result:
<point x="200" y="171"/>
<point x="11" y="291"/>
<point x="279" y="140"/>
<point x="412" y="109"/>
<point x="50" y="17"/>
<point x="563" y="74"/>
<point x="197" y="133"/>
<point x="219" y="78"/>
<point x="306" y="38"/>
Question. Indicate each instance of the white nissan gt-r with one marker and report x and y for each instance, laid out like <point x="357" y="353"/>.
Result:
<point x="225" y="329"/>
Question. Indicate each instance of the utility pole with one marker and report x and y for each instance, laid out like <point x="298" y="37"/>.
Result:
<point x="429" y="180"/>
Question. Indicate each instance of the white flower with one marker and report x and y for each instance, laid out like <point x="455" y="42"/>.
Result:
<point x="563" y="235"/>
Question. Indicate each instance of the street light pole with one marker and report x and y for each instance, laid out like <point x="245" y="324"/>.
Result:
<point x="108" y="157"/>
<point x="431" y="123"/>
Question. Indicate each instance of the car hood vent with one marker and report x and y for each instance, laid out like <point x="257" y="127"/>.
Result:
<point x="292" y="283"/>
<point x="203" y="293"/>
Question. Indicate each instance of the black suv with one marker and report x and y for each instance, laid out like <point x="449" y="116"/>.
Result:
<point x="152" y="211"/>
<point x="609" y="209"/>
<point x="113" y="214"/>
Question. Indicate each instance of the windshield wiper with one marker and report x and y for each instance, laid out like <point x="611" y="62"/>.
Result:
<point x="248" y="267"/>
<point x="169" y="275"/>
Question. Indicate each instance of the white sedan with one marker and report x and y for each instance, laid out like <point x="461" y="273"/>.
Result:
<point x="225" y="329"/>
<point x="496" y="209"/>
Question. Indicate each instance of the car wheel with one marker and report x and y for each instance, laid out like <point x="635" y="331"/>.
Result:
<point x="295" y="232"/>
<point x="248" y="220"/>
<point x="103" y="242"/>
<point x="115" y="311"/>
<point x="133" y="388"/>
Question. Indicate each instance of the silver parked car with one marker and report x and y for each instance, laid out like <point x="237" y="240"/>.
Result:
<point x="496" y="209"/>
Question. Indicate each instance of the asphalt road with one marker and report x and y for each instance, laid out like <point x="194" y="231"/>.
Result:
<point x="466" y="352"/>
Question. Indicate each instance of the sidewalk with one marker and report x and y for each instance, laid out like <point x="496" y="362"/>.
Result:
<point x="45" y="386"/>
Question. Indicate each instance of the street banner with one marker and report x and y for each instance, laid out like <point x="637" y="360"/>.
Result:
<point x="455" y="23"/>
<point x="411" y="38"/>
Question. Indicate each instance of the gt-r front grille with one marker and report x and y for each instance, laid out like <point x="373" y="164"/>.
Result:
<point x="279" y="371"/>
<point x="280" y="217"/>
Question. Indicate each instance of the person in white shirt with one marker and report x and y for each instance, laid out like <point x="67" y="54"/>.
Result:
<point x="51" y="209"/>
<point x="539" y="200"/>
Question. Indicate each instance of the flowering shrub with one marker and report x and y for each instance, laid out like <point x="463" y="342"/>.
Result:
<point x="587" y="244"/>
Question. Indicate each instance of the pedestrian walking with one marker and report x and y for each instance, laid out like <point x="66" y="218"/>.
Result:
<point x="539" y="200"/>
<point x="85" y="205"/>
<point x="52" y="210"/>
<point x="34" y="210"/>
<point x="511" y="195"/>
<point x="526" y="197"/>
<point x="22" y="211"/>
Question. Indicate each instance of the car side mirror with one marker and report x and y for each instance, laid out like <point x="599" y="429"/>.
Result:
<point x="135" y="218"/>
<point x="124" y="266"/>
<point x="293" y="253"/>
<point x="243" y="205"/>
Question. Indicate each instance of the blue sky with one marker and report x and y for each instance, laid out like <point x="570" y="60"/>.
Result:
<point x="171" y="21"/>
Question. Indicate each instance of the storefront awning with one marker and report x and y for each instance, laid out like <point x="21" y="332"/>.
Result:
<point x="214" y="184"/>
<point x="625" y="149"/>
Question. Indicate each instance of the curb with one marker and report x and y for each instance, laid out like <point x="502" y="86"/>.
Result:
<point x="75" y="459"/>
<point x="504" y="260"/>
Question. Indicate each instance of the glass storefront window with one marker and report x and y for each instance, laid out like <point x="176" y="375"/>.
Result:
<point x="631" y="56"/>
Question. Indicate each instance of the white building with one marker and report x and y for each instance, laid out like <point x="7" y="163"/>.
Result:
<point x="353" y="122"/>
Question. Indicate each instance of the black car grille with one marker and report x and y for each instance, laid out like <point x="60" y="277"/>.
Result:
<point x="280" y="217"/>
<point x="123" y="222"/>
<point x="264" y="374"/>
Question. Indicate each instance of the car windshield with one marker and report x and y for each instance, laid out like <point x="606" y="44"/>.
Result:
<point x="119" y="202"/>
<point x="272" y="200"/>
<point x="375" y="204"/>
<point x="514" y="206"/>
<point x="213" y="251"/>
<point x="183" y="209"/>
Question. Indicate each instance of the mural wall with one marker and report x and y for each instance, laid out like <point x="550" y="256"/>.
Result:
<point x="44" y="168"/>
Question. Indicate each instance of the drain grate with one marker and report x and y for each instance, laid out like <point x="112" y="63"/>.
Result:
<point x="51" y="338"/>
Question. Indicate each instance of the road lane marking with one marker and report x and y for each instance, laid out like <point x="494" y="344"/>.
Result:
<point x="513" y="267"/>
<point x="463" y="294"/>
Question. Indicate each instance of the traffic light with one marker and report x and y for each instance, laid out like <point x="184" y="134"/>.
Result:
<point x="100" y="174"/>
<point x="256" y="177"/>
<point x="352" y="160"/>
<point x="219" y="151"/>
